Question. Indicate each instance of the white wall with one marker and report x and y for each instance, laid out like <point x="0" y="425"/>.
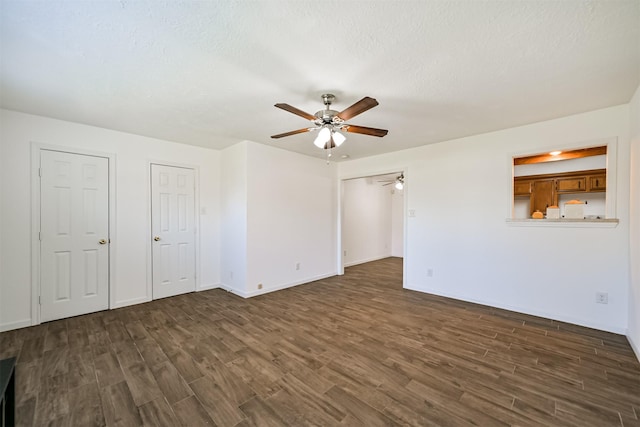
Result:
<point x="397" y="223"/>
<point x="634" y="288"/>
<point x="131" y="241"/>
<point x="234" y="218"/>
<point x="291" y="219"/>
<point x="460" y="191"/>
<point x="366" y="221"/>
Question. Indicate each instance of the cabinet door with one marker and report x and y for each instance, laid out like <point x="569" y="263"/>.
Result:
<point x="543" y="195"/>
<point x="572" y="185"/>
<point x="598" y="183"/>
<point x="521" y="188"/>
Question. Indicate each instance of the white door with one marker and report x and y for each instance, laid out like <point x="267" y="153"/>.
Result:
<point x="172" y="230"/>
<point x="74" y="234"/>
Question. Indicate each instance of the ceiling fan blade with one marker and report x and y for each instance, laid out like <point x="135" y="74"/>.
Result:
<point x="293" y="132"/>
<point x="361" y="106"/>
<point x="367" y="131"/>
<point x="296" y="111"/>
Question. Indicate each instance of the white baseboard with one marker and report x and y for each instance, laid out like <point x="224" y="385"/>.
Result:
<point x="232" y="290"/>
<point x="257" y="292"/>
<point x="287" y="285"/>
<point x="207" y="287"/>
<point x="362" y="261"/>
<point x="539" y="313"/>
<point x="24" y="323"/>
<point x="132" y="301"/>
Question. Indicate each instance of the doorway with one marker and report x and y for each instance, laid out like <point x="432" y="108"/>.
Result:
<point x="372" y="220"/>
<point x="73" y="234"/>
<point x="172" y="230"/>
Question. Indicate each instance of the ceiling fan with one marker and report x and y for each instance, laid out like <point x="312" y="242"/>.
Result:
<point x="399" y="182"/>
<point x="329" y="122"/>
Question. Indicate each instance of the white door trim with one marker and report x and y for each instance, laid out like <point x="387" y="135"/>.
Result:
<point x="36" y="148"/>
<point x="196" y="219"/>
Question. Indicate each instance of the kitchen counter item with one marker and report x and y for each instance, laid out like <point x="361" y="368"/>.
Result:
<point x="553" y="212"/>
<point x="573" y="210"/>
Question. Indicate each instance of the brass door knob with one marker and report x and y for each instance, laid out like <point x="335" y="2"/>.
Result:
<point x="102" y="241"/>
<point x="157" y="238"/>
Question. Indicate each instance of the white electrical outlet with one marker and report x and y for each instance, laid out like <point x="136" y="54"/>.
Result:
<point x="412" y="213"/>
<point x="430" y="272"/>
<point x="602" y="298"/>
<point x="297" y="266"/>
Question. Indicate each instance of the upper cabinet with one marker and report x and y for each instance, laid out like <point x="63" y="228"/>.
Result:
<point x="544" y="190"/>
<point x="522" y="187"/>
<point x="571" y="185"/>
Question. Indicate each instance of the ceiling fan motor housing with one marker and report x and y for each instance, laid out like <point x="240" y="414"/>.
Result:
<point x="326" y="116"/>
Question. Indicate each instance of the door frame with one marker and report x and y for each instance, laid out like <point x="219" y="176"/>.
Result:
<point x="196" y="221"/>
<point x="36" y="149"/>
<point x="340" y="214"/>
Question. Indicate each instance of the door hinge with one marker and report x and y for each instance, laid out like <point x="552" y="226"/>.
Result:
<point x="39" y="301"/>
<point x="40" y="172"/>
<point x="40" y="235"/>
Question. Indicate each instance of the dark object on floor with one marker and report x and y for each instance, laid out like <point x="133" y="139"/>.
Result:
<point x="8" y="388"/>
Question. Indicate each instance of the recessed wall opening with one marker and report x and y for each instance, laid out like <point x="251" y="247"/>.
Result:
<point x="565" y="184"/>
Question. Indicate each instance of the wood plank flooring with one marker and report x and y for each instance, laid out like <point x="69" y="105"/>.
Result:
<point x="355" y="350"/>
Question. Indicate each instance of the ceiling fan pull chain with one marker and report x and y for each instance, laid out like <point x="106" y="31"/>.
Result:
<point x="328" y="154"/>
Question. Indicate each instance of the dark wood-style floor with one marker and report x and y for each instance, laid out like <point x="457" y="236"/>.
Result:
<point x="355" y="350"/>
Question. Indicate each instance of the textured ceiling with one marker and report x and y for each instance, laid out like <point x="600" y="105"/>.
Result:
<point x="208" y="72"/>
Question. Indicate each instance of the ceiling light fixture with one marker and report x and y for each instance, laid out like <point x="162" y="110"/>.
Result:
<point x="323" y="137"/>
<point x="338" y="138"/>
<point x="555" y="153"/>
<point x="400" y="182"/>
<point x="329" y="138"/>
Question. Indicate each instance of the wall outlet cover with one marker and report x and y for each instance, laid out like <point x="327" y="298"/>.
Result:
<point x="602" y="298"/>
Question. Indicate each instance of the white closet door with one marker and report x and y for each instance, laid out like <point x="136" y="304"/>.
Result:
<point x="173" y="230"/>
<point x="74" y="234"/>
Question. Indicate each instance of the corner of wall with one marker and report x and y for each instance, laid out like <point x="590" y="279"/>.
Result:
<point x="633" y="331"/>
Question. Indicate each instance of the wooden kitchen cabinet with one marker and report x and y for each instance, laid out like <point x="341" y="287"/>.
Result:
<point x="543" y="195"/>
<point x="522" y="188"/>
<point x="571" y="185"/>
<point x="543" y="190"/>
<point x="598" y="182"/>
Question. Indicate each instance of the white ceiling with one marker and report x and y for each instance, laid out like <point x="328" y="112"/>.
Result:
<point x="208" y="72"/>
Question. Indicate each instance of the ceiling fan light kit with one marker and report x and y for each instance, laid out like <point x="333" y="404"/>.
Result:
<point x="329" y="122"/>
<point x="398" y="182"/>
